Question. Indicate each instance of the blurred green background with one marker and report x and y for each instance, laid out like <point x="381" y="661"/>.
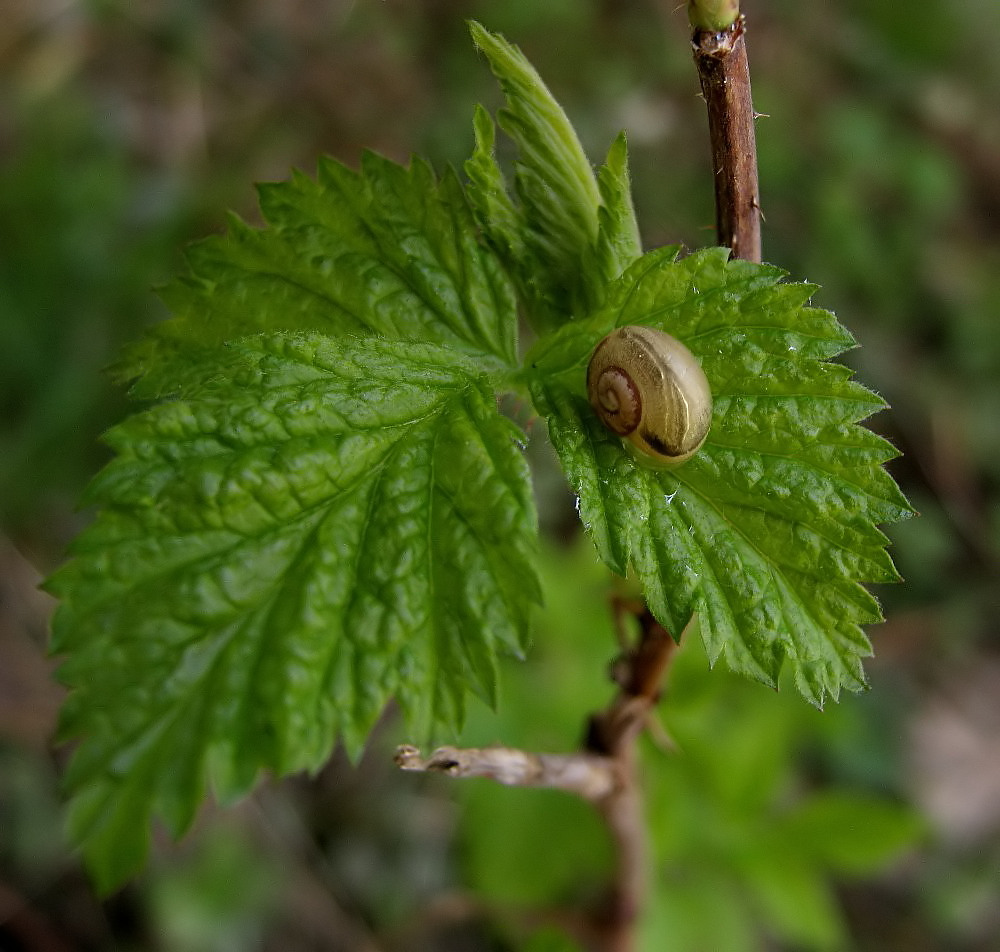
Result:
<point x="128" y="127"/>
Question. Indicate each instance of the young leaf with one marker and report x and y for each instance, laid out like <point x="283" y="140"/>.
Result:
<point x="318" y="527"/>
<point x="769" y="531"/>
<point x="569" y="232"/>
<point x="618" y="243"/>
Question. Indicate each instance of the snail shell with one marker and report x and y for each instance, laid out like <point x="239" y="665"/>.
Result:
<point x="648" y="387"/>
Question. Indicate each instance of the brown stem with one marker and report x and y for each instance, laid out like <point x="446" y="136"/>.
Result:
<point x="721" y="58"/>
<point x="587" y="775"/>
<point x="604" y="773"/>
<point x="613" y="732"/>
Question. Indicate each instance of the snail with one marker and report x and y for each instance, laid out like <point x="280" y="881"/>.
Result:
<point x="648" y="387"/>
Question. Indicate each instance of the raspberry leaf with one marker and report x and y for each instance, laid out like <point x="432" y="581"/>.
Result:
<point x="770" y="530"/>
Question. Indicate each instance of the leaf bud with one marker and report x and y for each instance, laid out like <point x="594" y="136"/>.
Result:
<point x="713" y="15"/>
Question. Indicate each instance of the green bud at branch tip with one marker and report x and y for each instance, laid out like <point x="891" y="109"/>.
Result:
<point x="713" y="15"/>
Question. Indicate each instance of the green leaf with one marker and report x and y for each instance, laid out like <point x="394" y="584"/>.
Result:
<point x="853" y="833"/>
<point x="328" y="525"/>
<point x="793" y="897"/>
<point x="501" y="830"/>
<point x="568" y="231"/>
<point x="769" y="531"/>
<point x="388" y="250"/>
<point x="618" y="243"/>
<point x="550" y="939"/>
<point x="695" y="910"/>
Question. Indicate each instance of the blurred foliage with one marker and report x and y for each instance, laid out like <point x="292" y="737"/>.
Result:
<point x="744" y="839"/>
<point x="82" y="234"/>
<point x="127" y="128"/>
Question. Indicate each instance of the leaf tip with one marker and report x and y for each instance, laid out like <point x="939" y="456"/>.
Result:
<point x="486" y="41"/>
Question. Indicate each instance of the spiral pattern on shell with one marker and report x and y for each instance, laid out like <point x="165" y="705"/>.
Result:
<point x="619" y="403"/>
<point x="647" y="387"/>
